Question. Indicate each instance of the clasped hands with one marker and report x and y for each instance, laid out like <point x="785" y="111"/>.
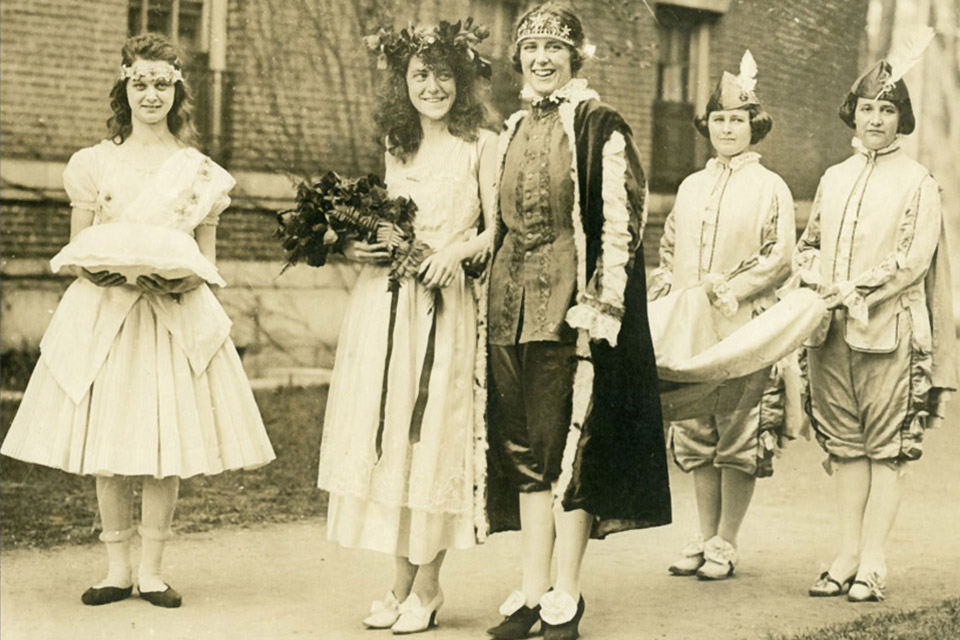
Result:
<point x="437" y="270"/>
<point x="150" y="283"/>
<point x="832" y="296"/>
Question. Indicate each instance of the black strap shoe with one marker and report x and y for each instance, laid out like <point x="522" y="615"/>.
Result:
<point x="569" y="630"/>
<point x="517" y="625"/>
<point x="95" y="596"/>
<point x="168" y="598"/>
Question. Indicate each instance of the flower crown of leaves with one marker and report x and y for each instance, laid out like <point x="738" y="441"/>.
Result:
<point x="460" y="38"/>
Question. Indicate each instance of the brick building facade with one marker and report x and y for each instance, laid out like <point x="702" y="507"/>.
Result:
<point x="285" y="88"/>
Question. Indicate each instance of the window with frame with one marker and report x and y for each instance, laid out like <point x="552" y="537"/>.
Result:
<point x="186" y="23"/>
<point x="682" y="89"/>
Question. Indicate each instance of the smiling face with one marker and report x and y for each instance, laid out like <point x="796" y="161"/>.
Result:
<point x="545" y="63"/>
<point x="876" y="122"/>
<point x="729" y="132"/>
<point x="432" y="90"/>
<point x="150" y="91"/>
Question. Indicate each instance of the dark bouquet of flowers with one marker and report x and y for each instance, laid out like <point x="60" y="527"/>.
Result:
<point x="333" y="209"/>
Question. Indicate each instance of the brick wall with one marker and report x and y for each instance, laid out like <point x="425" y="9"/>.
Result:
<point x="59" y="61"/>
<point x="301" y="87"/>
<point x="807" y="54"/>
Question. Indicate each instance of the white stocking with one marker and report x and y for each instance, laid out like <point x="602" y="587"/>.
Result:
<point x="115" y="499"/>
<point x="159" y="502"/>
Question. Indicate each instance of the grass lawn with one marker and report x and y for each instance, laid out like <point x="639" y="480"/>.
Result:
<point x="42" y="507"/>
<point x="928" y="623"/>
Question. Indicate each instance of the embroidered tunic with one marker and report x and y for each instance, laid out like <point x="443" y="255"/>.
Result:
<point x="535" y="267"/>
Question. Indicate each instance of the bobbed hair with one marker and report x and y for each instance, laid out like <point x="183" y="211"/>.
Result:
<point x="760" y="123"/>
<point x="399" y="122"/>
<point x="570" y="19"/>
<point x="905" y="125"/>
<point x="150" y="46"/>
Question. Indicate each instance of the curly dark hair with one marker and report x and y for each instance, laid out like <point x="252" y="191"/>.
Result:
<point x="576" y="34"/>
<point x="760" y="123"/>
<point x="905" y="125"/>
<point x="399" y="122"/>
<point x="150" y="46"/>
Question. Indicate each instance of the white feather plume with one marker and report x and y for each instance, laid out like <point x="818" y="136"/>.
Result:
<point x="903" y="57"/>
<point x="748" y="72"/>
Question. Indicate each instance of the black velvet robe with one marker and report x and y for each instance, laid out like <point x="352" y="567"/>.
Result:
<point x="619" y="473"/>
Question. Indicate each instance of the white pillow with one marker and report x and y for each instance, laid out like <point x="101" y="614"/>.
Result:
<point x="134" y="250"/>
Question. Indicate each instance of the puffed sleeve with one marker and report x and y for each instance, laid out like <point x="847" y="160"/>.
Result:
<point x="600" y="308"/>
<point x="81" y="177"/>
<point x="806" y="256"/>
<point x="219" y="206"/>
<point x="213" y="186"/>
<point x="661" y="278"/>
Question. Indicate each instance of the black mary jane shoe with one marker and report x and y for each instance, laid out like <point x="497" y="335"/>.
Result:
<point x="168" y="598"/>
<point x="569" y="630"/>
<point x="518" y="624"/>
<point x="95" y="596"/>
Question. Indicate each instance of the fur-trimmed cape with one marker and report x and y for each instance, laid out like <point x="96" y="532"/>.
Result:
<point x="614" y="463"/>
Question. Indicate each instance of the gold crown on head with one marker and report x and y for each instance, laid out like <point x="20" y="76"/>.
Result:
<point x="545" y="24"/>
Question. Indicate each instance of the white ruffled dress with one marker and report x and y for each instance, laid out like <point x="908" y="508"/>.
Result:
<point x="131" y="383"/>
<point x="417" y="499"/>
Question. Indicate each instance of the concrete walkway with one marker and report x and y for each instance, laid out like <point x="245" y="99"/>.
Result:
<point x="287" y="581"/>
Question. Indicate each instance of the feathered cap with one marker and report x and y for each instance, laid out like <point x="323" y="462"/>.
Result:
<point x="736" y="91"/>
<point x="432" y="44"/>
<point x="883" y="80"/>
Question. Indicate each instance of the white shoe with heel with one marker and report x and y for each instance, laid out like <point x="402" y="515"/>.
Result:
<point x="416" y="617"/>
<point x="383" y="613"/>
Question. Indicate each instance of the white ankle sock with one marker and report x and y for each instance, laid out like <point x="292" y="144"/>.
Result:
<point x="151" y="556"/>
<point x="119" y="570"/>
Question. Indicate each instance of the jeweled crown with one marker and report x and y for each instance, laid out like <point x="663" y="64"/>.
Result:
<point x="545" y="24"/>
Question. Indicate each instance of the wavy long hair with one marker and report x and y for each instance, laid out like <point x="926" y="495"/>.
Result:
<point x="150" y="46"/>
<point x="399" y="122"/>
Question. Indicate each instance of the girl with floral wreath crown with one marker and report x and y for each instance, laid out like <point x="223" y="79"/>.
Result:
<point x="138" y="377"/>
<point x="576" y="436"/>
<point x="399" y="450"/>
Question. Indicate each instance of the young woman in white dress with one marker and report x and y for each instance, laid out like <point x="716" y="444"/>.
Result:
<point x="392" y="489"/>
<point x="140" y="380"/>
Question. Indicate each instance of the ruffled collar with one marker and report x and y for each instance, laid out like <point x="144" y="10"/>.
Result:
<point x="871" y="154"/>
<point x="736" y="163"/>
<point x="575" y="91"/>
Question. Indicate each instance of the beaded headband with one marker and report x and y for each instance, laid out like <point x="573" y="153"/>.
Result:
<point x="459" y="38"/>
<point x="151" y="71"/>
<point x="544" y="23"/>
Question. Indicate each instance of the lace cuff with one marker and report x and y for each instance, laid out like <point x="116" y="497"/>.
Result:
<point x="724" y="298"/>
<point x="600" y="320"/>
<point x="855" y="304"/>
<point x="661" y="282"/>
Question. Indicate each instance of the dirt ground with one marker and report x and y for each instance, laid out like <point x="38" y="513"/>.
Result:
<point x="287" y="581"/>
